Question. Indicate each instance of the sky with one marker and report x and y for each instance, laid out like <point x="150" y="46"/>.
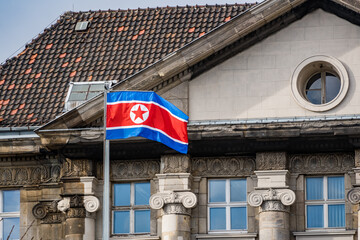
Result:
<point x="23" y="20"/>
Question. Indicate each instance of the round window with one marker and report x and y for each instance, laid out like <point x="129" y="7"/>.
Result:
<point x="319" y="83"/>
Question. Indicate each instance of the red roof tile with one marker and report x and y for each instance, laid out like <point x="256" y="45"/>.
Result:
<point x="108" y="50"/>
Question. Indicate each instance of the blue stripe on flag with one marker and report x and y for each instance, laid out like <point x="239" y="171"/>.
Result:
<point x="146" y="133"/>
<point x="113" y="97"/>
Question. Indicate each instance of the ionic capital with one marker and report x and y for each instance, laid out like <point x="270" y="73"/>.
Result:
<point x="270" y="199"/>
<point x="354" y="196"/>
<point x="173" y="200"/>
<point x="91" y="203"/>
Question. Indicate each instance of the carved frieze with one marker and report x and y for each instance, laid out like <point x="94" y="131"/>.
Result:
<point x="175" y="164"/>
<point x="321" y="163"/>
<point x="29" y="175"/>
<point x="270" y="199"/>
<point x="131" y="169"/>
<point x="271" y="161"/>
<point x="223" y="166"/>
<point x="47" y="212"/>
<point x="77" y="167"/>
<point x="173" y="202"/>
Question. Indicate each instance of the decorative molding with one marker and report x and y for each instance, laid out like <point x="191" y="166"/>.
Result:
<point x="321" y="163"/>
<point x="270" y="199"/>
<point x="354" y="196"/>
<point x="173" y="202"/>
<point x="175" y="164"/>
<point x="134" y="169"/>
<point x="223" y="166"/>
<point x="77" y="167"/>
<point x="91" y="203"/>
<point x="47" y="212"/>
<point x="175" y="208"/>
<point x="274" y="206"/>
<point x="271" y="161"/>
<point x="29" y="175"/>
<point x="78" y="212"/>
<point x="64" y="204"/>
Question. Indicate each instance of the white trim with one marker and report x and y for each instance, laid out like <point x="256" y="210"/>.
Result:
<point x="305" y="69"/>
<point x="6" y="214"/>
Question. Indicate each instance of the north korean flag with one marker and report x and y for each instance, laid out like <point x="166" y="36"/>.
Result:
<point x="146" y="114"/>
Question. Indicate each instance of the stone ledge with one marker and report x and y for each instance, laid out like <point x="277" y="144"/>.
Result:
<point x="331" y="234"/>
<point x="227" y="236"/>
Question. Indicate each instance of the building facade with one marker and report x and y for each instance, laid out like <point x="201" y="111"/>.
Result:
<point x="272" y="94"/>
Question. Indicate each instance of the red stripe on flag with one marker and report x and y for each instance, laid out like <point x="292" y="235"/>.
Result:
<point x="118" y="115"/>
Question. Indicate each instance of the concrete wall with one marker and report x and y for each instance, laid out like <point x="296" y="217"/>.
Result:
<point x="256" y="82"/>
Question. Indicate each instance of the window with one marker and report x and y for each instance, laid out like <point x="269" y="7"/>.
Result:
<point x="79" y="92"/>
<point x="322" y="87"/>
<point x="325" y="202"/>
<point x="131" y="211"/>
<point x="10" y="214"/>
<point x="319" y="83"/>
<point x="227" y="205"/>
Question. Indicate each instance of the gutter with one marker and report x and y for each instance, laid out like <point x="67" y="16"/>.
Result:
<point x="8" y="133"/>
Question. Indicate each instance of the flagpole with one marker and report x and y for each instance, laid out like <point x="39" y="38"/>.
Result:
<point x="106" y="169"/>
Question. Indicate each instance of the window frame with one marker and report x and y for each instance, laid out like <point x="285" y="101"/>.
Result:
<point x="311" y="66"/>
<point x="227" y="205"/>
<point x="131" y="208"/>
<point x="325" y="203"/>
<point x="7" y="214"/>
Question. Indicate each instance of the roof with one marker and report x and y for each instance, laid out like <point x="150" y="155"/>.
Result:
<point x="118" y="44"/>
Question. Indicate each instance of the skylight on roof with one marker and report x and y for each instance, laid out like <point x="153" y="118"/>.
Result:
<point x="80" y="92"/>
<point x="82" y="26"/>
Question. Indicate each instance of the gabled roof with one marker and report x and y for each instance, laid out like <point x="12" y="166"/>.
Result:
<point x="118" y="44"/>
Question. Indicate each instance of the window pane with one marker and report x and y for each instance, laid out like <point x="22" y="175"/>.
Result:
<point x="121" y="222"/>
<point x="217" y="219"/>
<point x="11" y="201"/>
<point x="142" y="221"/>
<point x="332" y="86"/>
<point x="314" y="188"/>
<point x="314" y="82"/>
<point x="80" y="88"/>
<point x="238" y="190"/>
<point x="142" y="193"/>
<point x="315" y="216"/>
<point x="122" y="194"/>
<point x="314" y="96"/>
<point x="336" y="189"/>
<point x="92" y="94"/>
<point x="217" y="190"/>
<point x="238" y="217"/>
<point x="77" y="96"/>
<point x="336" y="215"/>
<point x="97" y="87"/>
<point x="8" y="223"/>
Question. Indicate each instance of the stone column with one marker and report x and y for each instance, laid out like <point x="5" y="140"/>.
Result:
<point x="174" y="198"/>
<point x="175" y="207"/>
<point x="353" y="195"/>
<point x="273" y="196"/>
<point x="78" y="210"/>
<point x="274" y="212"/>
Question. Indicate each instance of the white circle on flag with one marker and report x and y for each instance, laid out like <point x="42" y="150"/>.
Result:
<point x="139" y="113"/>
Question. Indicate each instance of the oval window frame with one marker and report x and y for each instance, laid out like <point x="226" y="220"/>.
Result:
<point x="309" y="67"/>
